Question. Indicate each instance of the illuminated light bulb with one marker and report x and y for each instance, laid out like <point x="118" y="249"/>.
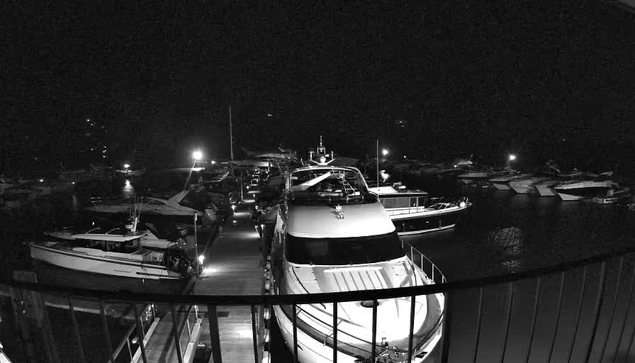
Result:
<point x="266" y="314"/>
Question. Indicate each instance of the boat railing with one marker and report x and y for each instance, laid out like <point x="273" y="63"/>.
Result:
<point x="430" y="269"/>
<point x="577" y="311"/>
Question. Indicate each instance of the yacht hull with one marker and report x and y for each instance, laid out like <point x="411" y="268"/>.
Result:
<point x="83" y="262"/>
<point x="426" y="221"/>
<point x="316" y="348"/>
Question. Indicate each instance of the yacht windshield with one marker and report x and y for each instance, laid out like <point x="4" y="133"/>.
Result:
<point x="329" y="186"/>
<point x="343" y="251"/>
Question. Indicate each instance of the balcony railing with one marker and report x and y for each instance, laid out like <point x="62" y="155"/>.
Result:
<point x="579" y="311"/>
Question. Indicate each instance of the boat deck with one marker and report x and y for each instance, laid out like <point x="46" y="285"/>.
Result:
<point x="233" y="266"/>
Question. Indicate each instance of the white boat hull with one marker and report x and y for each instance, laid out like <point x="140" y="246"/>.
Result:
<point x="570" y="197"/>
<point x="312" y="350"/>
<point x="425" y="221"/>
<point x="84" y="262"/>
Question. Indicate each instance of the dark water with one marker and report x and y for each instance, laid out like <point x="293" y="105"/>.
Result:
<point x="503" y="232"/>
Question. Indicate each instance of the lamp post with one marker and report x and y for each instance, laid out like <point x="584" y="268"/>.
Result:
<point x="196" y="155"/>
<point x="510" y="158"/>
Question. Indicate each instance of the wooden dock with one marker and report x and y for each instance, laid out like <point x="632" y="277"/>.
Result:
<point x="233" y="266"/>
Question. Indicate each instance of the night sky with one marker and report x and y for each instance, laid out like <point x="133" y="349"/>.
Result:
<point x="546" y="79"/>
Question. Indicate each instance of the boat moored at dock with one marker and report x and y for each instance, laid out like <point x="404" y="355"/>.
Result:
<point x="333" y="235"/>
<point x="414" y="212"/>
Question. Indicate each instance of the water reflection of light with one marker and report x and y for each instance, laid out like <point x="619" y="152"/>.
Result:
<point x="128" y="189"/>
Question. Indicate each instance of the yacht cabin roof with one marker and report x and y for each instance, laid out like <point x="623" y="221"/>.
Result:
<point x="326" y="221"/>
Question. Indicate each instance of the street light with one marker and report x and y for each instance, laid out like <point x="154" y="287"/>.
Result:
<point x="512" y="157"/>
<point x="196" y="155"/>
<point x="384" y="152"/>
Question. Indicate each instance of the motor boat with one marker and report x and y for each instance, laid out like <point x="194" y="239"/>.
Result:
<point x="585" y="188"/>
<point x="131" y="253"/>
<point x="415" y="211"/>
<point x="333" y="235"/>
<point x="185" y="204"/>
<point x="614" y="196"/>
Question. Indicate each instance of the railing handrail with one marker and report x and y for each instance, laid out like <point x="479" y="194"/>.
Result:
<point x="242" y="300"/>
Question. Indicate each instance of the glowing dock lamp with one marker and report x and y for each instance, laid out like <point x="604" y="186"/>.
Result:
<point x="384" y="152"/>
<point x="512" y="157"/>
<point x="126" y="166"/>
<point x="196" y="155"/>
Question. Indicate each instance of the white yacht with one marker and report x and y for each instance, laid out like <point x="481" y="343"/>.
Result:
<point x="414" y="211"/>
<point x="184" y="204"/>
<point x="585" y="188"/>
<point x="333" y="235"/>
<point x="129" y="254"/>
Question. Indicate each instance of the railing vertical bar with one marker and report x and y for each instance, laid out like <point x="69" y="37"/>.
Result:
<point x="214" y="334"/>
<point x="76" y="329"/>
<point x="598" y="306"/>
<point x="373" y="339"/>
<point x="447" y="325"/>
<point x="479" y="319"/>
<point x="294" y="322"/>
<point x="129" y="349"/>
<point x="534" y="316"/>
<point x="254" y="333"/>
<point x="433" y="267"/>
<point x="612" y="314"/>
<point x="104" y="322"/>
<point x="140" y="333"/>
<point x="413" y="301"/>
<point x="630" y="347"/>
<point x="335" y="328"/>
<point x="557" y="319"/>
<point x="579" y="313"/>
<point x="177" y="341"/>
<point x="628" y="310"/>
<point x="510" y="306"/>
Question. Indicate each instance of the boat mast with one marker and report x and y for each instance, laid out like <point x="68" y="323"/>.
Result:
<point x="231" y="136"/>
<point x="377" y="163"/>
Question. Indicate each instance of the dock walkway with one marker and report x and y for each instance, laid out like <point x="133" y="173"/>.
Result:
<point x="232" y="266"/>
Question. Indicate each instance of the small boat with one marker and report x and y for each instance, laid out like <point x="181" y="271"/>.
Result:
<point x="614" y="196"/>
<point x="333" y="235"/>
<point x="133" y="253"/>
<point x="414" y="211"/>
<point x="475" y="177"/>
<point x="584" y="189"/>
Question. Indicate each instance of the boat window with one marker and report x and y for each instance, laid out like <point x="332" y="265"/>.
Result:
<point x="398" y="202"/>
<point x="343" y="251"/>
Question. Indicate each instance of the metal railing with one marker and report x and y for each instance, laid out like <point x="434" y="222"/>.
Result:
<point x="579" y="311"/>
